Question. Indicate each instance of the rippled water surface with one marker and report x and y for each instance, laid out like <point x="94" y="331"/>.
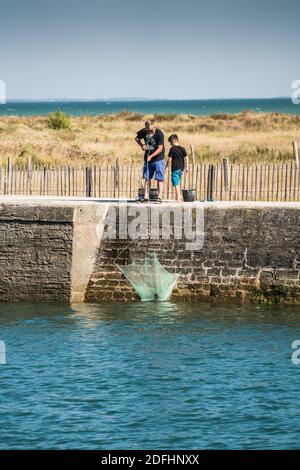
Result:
<point x="149" y="376"/>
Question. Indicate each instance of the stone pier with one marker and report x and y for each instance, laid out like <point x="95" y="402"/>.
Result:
<point x="53" y="250"/>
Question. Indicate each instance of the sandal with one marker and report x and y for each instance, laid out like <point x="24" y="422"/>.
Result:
<point x="143" y="200"/>
<point x="158" y="200"/>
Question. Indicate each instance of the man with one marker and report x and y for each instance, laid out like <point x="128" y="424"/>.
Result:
<point x="151" y="140"/>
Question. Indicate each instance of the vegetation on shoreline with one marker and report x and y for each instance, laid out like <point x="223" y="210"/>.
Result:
<point x="58" y="120"/>
<point x="244" y="138"/>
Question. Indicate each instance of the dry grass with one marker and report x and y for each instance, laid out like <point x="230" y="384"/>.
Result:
<point x="244" y="138"/>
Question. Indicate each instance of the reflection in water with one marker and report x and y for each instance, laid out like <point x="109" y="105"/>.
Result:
<point x="163" y="312"/>
<point x="149" y="375"/>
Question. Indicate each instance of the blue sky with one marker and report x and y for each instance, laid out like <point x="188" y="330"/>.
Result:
<point x="158" y="49"/>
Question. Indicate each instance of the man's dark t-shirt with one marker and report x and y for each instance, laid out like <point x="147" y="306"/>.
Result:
<point x="153" y="141"/>
<point x="177" y="153"/>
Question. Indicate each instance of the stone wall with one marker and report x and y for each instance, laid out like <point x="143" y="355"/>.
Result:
<point x="251" y="253"/>
<point x="35" y="253"/>
<point x="53" y="252"/>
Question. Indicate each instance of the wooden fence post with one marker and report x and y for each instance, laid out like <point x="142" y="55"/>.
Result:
<point x="210" y="182"/>
<point x="225" y="167"/>
<point x="296" y="153"/>
<point x="193" y="154"/>
<point x="88" y="181"/>
<point x="191" y="184"/>
<point x="8" y="180"/>
<point x="117" y="179"/>
<point x="44" y="180"/>
<point x="29" y="175"/>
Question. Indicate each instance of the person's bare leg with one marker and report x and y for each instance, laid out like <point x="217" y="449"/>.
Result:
<point x="160" y="187"/>
<point x="177" y="194"/>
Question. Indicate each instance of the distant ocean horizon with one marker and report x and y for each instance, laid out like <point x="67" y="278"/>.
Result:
<point x="146" y="106"/>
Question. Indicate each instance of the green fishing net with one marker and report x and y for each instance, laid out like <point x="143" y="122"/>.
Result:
<point x="150" y="279"/>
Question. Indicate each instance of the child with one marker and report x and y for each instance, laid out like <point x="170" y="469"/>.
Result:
<point x="178" y="157"/>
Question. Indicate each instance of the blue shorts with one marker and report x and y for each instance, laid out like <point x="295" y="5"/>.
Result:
<point x="154" y="167"/>
<point x="176" y="177"/>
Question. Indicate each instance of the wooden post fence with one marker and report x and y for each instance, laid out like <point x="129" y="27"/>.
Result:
<point x="223" y="181"/>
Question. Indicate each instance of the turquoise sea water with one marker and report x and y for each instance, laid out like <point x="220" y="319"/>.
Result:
<point x="197" y="107"/>
<point x="149" y="376"/>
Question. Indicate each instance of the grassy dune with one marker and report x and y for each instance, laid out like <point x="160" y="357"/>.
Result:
<point x="244" y="138"/>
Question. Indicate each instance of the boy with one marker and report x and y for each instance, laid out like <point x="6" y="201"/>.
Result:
<point x="178" y="157"/>
<point x="154" y="149"/>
